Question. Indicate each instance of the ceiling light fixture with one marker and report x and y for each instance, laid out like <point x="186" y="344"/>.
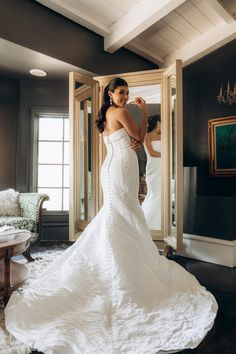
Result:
<point x="38" y="72"/>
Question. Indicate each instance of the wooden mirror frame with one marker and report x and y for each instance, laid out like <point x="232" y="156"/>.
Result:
<point x="75" y="224"/>
<point x="173" y="78"/>
<point x="140" y="78"/>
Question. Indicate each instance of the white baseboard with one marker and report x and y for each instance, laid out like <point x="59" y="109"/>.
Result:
<point x="208" y="249"/>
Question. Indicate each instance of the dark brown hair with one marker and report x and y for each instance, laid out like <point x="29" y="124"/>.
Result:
<point x="152" y="122"/>
<point x="113" y="84"/>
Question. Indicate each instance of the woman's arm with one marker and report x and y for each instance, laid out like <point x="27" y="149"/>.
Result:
<point x="128" y="123"/>
<point x="143" y="127"/>
<point x="149" y="148"/>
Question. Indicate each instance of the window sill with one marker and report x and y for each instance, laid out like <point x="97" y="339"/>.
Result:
<point x="55" y="212"/>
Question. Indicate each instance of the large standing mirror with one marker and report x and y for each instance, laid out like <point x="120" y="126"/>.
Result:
<point x="149" y="156"/>
<point x="172" y="86"/>
<point x="83" y="96"/>
<point x="83" y="110"/>
<point x="160" y="158"/>
<point x="174" y="149"/>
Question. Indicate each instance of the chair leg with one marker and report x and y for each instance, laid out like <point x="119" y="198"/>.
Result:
<point x="28" y="256"/>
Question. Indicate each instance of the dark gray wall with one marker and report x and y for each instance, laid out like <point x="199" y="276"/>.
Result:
<point x="213" y="210"/>
<point x="9" y="102"/>
<point x="34" y="26"/>
<point x="34" y="93"/>
<point x="38" y="93"/>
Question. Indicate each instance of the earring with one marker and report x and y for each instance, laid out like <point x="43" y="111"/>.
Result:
<point x="111" y="101"/>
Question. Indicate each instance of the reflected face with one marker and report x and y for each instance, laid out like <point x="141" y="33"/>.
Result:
<point x="120" y="96"/>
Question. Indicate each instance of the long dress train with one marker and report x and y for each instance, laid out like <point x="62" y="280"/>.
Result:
<point x="152" y="202"/>
<point x="111" y="292"/>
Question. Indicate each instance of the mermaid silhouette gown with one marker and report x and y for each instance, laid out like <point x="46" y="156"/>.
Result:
<point x="111" y="291"/>
<point x="152" y="202"/>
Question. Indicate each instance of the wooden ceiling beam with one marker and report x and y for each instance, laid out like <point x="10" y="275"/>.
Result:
<point x="138" y="47"/>
<point x="222" y="10"/>
<point x="136" y="21"/>
<point x="203" y="44"/>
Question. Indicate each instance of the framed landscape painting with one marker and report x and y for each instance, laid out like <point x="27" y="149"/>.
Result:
<point x="222" y="146"/>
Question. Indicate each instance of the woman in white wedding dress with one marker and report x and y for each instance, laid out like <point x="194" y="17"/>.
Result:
<point x="111" y="292"/>
<point x="152" y="202"/>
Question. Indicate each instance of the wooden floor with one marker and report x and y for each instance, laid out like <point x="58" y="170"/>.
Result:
<point x="221" y="282"/>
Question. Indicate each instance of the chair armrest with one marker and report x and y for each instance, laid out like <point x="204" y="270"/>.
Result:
<point x="31" y="205"/>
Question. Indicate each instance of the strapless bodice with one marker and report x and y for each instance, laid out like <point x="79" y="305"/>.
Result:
<point x="115" y="136"/>
<point x="156" y="144"/>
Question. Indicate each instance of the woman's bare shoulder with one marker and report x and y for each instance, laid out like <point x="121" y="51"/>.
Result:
<point x="117" y="113"/>
<point x="116" y="110"/>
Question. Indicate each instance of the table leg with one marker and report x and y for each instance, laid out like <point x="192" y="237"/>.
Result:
<point x="7" y="276"/>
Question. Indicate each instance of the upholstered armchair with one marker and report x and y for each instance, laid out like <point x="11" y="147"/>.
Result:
<point x="30" y="218"/>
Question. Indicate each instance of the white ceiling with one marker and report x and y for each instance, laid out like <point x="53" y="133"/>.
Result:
<point x="159" y="30"/>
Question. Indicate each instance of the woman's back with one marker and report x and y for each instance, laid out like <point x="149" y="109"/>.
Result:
<point x="112" y="122"/>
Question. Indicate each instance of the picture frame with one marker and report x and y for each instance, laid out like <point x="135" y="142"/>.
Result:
<point x="222" y="146"/>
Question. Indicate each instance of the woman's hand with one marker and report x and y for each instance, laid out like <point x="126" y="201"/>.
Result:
<point x="136" y="145"/>
<point x="140" y="102"/>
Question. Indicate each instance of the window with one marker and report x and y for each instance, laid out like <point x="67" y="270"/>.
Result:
<point x="51" y="158"/>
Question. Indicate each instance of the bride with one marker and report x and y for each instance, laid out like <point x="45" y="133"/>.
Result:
<point x="111" y="292"/>
<point x="152" y="202"/>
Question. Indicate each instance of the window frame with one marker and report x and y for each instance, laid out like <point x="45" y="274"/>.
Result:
<point x="34" y="131"/>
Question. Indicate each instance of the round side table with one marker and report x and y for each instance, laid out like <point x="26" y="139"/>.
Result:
<point x="12" y="273"/>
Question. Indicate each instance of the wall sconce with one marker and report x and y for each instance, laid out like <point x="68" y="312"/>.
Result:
<point x="228" y="95"/>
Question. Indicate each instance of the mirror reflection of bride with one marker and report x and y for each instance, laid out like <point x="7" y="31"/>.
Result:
<point x="152" y="202"/>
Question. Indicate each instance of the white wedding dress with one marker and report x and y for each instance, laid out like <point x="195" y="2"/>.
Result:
<point x="152" y="202"/>
<point x="111" y="292"/>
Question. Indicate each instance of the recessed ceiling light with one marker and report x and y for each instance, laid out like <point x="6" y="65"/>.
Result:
<point x="38" y="72"/>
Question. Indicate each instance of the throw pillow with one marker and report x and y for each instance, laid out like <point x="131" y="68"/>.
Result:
<point x="9" y="205"/>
